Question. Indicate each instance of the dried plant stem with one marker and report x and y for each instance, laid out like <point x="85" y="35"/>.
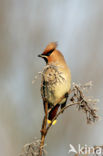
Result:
<point x="78" y="99"/>
<point x="43" y="130"/>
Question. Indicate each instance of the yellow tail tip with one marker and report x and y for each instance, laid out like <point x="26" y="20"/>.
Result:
<point x="49" y="122"/>
<point x="54" y="122"/>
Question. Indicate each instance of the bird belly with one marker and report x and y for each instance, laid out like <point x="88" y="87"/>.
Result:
<point x="55" y="84"/>
<point x="56" y="91"/>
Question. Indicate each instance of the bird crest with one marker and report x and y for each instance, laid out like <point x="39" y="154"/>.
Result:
<point x="50" y="48"/>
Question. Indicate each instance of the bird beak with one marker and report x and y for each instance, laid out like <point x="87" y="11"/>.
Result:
<point x="40" y="55"/>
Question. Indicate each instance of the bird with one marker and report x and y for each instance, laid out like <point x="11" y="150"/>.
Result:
<point x="56" y="80"/>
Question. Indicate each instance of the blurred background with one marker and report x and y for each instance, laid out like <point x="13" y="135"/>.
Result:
<point x="26" y="27"/>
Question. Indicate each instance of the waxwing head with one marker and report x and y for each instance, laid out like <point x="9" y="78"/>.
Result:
<point x="51" y="54"/>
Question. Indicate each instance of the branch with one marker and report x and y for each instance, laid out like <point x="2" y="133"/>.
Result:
<point x="76" y="98"/>
<point x="43" y="130"/>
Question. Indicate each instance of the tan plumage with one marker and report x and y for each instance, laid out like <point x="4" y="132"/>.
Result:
<point x="56" y="78"/>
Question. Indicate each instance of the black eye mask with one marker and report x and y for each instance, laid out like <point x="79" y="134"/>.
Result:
<point x="46" y="60"/>
<point x="49" y="53"/>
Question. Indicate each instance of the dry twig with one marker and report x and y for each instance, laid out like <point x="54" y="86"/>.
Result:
<point x="76" y="98"/>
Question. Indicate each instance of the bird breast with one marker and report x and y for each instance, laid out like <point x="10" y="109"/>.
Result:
<point x="55" y="83"/>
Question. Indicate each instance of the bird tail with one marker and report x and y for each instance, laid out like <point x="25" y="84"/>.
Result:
<point x="52" y="114"/>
